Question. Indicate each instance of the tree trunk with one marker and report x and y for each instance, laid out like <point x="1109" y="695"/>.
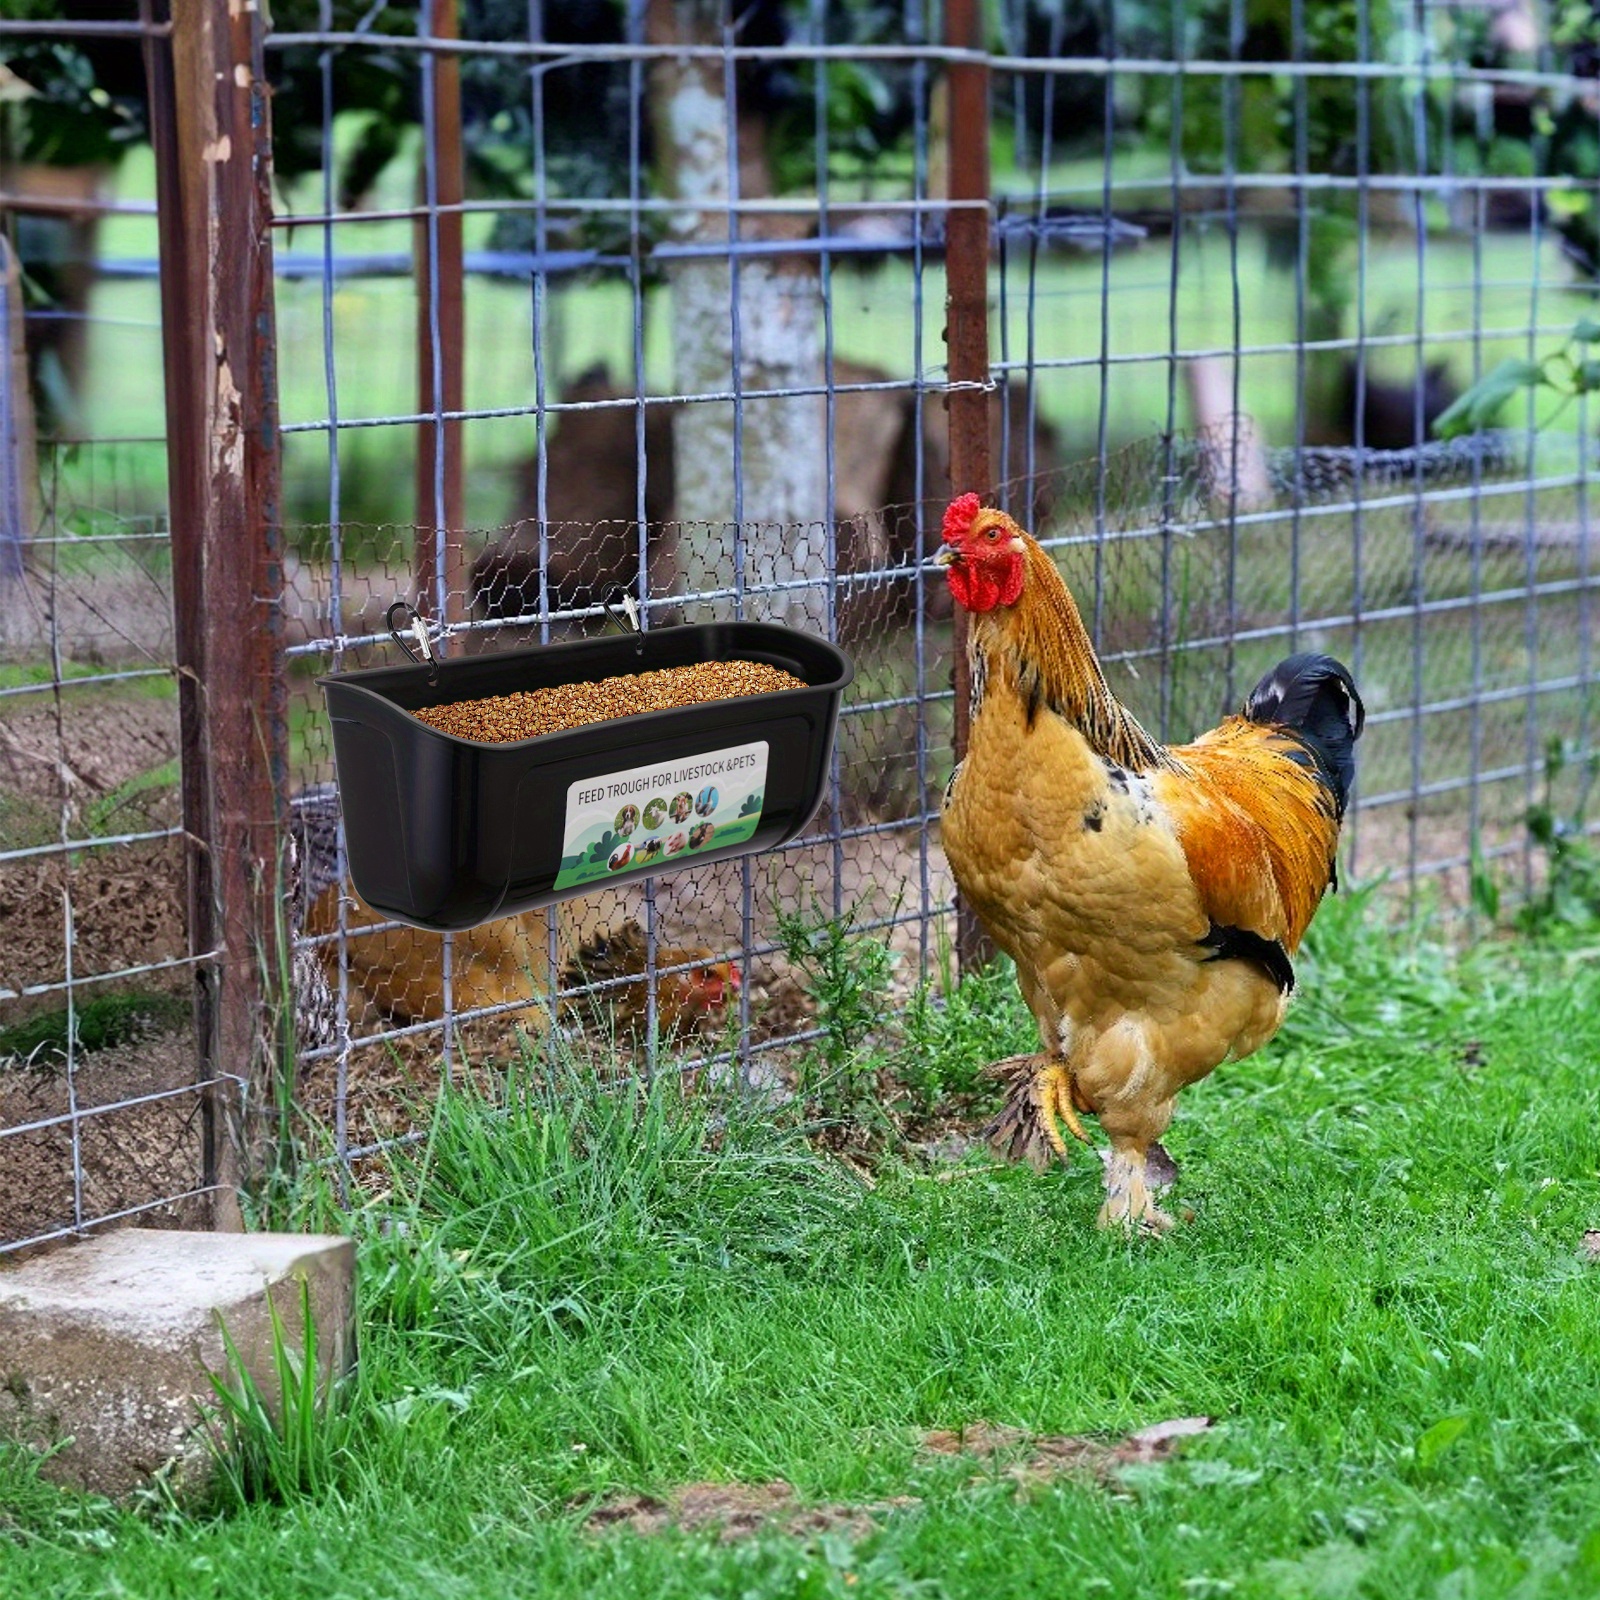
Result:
<point x="1233" y="458"/>
<point x="758" y="463"/>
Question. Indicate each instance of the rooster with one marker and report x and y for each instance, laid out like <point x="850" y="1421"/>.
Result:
<point x="1151" y="896"/>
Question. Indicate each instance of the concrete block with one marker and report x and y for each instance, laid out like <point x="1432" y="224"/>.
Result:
<point x="107" y="1341"/>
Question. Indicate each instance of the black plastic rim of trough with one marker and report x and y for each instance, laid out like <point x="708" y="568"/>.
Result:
<point x="445" y="833"/>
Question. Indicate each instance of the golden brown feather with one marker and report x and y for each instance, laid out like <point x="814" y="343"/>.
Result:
<point x="399" y="970"/>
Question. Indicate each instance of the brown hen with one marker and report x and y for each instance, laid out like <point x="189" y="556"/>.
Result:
<point x="399" y="970"/>
<point x="693" y="991"/>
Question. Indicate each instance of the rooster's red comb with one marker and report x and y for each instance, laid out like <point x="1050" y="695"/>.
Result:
<point x="958" y="518"/>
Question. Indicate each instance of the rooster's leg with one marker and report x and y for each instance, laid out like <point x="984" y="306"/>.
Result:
<point x="1128" y="1204"/>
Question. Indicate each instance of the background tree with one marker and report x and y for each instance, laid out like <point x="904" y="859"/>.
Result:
<point x="574" y="132"/>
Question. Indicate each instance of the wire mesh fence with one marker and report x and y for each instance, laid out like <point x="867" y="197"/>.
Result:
<point x="573" y="301"/>
<point x="100" y="1103"/>
<point x="100" y="1097"/>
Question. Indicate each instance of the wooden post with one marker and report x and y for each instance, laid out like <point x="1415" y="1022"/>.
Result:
<point x="210" y="128"/>
<point x="438" y="241"/>
<point x="967" y="337"/>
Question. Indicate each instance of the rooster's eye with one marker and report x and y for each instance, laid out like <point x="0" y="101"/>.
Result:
<point x="991" y="533"/>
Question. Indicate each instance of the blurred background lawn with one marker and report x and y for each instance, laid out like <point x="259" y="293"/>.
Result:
<point x="1468" y="301"/>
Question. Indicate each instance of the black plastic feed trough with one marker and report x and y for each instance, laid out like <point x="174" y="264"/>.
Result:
<point x="446" y="832"/>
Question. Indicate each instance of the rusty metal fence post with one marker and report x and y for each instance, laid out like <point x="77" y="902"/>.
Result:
<point x="967" y="338"/>
<point x="211" y="131"/>
<point x="438" y="250"/>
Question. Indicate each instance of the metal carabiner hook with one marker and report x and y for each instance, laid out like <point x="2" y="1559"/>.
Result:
<point x="422" y="652"/>
<point x="628" y="618"/>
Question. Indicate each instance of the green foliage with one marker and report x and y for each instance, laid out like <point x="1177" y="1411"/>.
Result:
<point x="108" y="814"/>
<point x="377" y="87"/>
<point x="1569" y="372"/>
<point x="585" y="127"/>
<point x="1569" y="896"/>
<point x="274" y="1198"/>
<point x="1482" y="887"/>
<point x="1565" y="899"/>
<point x="280" y="1451"/>
<point x="1481" y="405"/>
<point x="1335" y="125"/>
<point x="867" y="103"/>
<point x="1270" y="115"/>
<point x="1434" y="1441"/>
<point x="376" y="499"/>
<point x="951" y="1030"/>
<point x="847" y="975"/>
<point x="67" y="103"/>
<point x="1564" y="125"/>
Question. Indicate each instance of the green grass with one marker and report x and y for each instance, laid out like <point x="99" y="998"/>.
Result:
<point x="83" y="675"/>
<point x="105" y="814"/>
<point x="1380" y="1298"/>
<point x="41" y="1041"/>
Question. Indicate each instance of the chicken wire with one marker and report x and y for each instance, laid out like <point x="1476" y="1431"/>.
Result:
<point x="1225" y="266"/>
<point x="1334" y="254"/>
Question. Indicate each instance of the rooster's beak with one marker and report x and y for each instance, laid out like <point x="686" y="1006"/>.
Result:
<point x="946" y="555"/>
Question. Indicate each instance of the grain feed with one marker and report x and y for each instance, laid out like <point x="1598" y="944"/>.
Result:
<point x="527" y="715"/>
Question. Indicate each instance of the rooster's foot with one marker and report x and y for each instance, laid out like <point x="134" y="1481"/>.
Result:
<point x="1054" y="1089"/>
<point x="1128" y="1204"/>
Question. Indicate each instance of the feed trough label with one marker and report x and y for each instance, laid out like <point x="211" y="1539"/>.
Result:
<point x="650" y="818"/>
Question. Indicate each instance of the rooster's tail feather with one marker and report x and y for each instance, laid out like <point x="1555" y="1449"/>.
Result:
<point x="1315" y="697"/>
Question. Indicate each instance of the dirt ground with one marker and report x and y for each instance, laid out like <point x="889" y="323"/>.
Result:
<point x="1027" y="1463"/>
<point x="96" y="764"/>
<point x="89" y="756"/>
<point x="101" y="1163"/>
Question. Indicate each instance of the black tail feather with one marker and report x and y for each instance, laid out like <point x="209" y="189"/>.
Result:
<point x="1316" y="697"/>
